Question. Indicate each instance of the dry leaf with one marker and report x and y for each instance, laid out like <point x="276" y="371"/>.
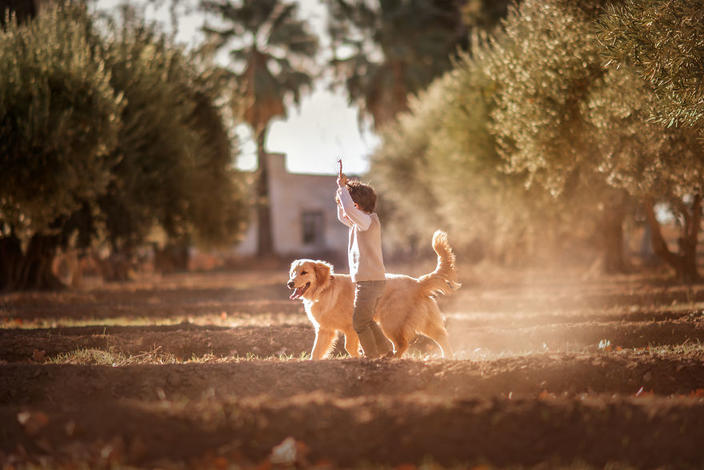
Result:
<point x="220" y="463"/>
<point x="32" y="421"/>
<point x="289" y="452"/>
<point x="284" y="453"/>
<point x="38" y="355"/>
<point x="70" y="428"/>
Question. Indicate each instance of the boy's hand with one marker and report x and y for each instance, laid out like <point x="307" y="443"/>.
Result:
<point x="341" y="178"/>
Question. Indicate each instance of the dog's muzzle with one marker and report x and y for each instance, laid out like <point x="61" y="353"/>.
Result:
<point x="297" y="291"/>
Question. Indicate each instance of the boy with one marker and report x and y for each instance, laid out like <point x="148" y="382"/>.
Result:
<point x="355" y="208"/>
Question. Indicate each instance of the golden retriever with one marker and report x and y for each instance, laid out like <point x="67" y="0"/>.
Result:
<point x="406" y="308"/>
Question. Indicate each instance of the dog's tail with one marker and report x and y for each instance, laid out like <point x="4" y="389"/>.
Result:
<point x="444" y="279"/>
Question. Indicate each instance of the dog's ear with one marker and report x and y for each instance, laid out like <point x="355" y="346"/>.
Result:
<point x="323" y="272"/>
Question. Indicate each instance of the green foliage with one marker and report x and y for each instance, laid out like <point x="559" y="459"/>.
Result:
<point x="385" y="50"/>
<point x="468" y="174"/>
<point x="484" y="14"/>
<point x="400" y="166"/>
<point x="109" y="136"/>
<point x="545" y="66"/>
<point x="439" y="166"/>
<point x="174" y="151"/>
<point x="59" y="120"/>
<point x="271" y="50"/>
<point x="638" y="154"/>
<point x="664" y="42"/>
<point x="531" y="111"/>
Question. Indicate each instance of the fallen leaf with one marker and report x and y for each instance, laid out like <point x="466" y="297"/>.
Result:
<point x="284" y="453"/>
<point x="70" y="428"/>
<point x="32" y="421"/>
<point x="220" y="463"/>
<point x="38" y="355"/>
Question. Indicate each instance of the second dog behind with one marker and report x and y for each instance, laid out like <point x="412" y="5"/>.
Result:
<point x="406" y="308"/>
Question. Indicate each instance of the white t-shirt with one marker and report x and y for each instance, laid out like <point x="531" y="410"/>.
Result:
<point x="364" y="255"/>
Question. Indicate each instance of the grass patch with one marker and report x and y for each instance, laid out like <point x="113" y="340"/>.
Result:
<point x="100" y="357"/>
<point x="225" y="320"/>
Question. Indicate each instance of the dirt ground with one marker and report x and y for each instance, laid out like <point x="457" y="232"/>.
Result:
<point x="210" y="370"/>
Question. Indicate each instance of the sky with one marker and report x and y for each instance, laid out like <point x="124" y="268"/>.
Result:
<point x="313" y="135"/>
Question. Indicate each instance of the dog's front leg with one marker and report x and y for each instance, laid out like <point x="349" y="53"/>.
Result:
<point x="323" y="340"/>
<point x="352" y="343"/>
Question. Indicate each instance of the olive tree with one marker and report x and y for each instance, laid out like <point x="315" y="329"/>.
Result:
<point x="654" y="163"/>
<point x="664" y="42"/>
<point x="439" y="165"/>
<point x="574" y="124"/>
<point x="175" y="154"/>
<point x="108" y="135"/>
<point x="59" y="122"/>
<point x="546" y="65"/>
<point x="659" y="47"/>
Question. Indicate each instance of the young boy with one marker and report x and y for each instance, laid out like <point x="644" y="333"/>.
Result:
<point x="355" y="208"/>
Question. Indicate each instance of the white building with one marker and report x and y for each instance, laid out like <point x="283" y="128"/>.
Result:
<point x="303" y="215"/>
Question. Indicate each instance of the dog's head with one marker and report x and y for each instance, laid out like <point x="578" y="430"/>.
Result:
<point x="306" y="277"/>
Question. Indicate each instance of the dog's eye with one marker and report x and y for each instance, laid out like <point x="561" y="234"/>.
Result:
<point x="303" y="272"/>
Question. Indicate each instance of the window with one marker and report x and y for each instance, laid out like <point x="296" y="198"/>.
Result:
<point x="312" y="227"/>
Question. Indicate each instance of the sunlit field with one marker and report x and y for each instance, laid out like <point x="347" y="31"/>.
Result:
<point x="162" y="163"/>
<point x="212" y="370"/>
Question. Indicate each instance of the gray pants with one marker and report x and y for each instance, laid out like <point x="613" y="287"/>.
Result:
<point x="372" y="339"/>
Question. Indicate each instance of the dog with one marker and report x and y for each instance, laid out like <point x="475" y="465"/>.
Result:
<point x="406" y="308"/>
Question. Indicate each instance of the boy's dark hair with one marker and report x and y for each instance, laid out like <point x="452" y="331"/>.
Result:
<point x="363" y="195"/>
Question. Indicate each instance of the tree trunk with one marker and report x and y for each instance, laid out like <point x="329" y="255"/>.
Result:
<point x="265" y="241"/>
<point x="612" y="239"/>
<point x="10" y="259"/>
<point x="31" y="269"/>
<point x="24" y="10"/>
<point x="685" y="261"/>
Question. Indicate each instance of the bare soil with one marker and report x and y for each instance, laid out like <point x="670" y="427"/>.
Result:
<point x="210" y="371"/>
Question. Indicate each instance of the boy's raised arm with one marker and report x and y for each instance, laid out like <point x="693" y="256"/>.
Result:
<point x="341" y="214"/>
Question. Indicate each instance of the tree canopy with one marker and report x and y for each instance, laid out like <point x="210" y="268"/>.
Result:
<point x="384" y="50"/>
<point x="664" y="42"/>
<point x="541" y="103"/>
<point x="107" y="137"/>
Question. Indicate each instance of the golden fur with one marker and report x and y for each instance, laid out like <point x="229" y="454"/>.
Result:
<point x="406" y="308"/>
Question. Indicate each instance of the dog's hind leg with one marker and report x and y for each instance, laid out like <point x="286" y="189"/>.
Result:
<point x="400" y="343"/>
<point x="323" y="341"/>
<point x="438" y="333"/>
<point x="352" y="343"/>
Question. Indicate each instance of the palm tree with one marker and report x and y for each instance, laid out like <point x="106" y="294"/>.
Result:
<point x="385" y="49"/>
<point x="272" y="55"/>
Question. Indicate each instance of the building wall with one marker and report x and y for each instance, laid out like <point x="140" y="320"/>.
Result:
<point x="295" y="197"/>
